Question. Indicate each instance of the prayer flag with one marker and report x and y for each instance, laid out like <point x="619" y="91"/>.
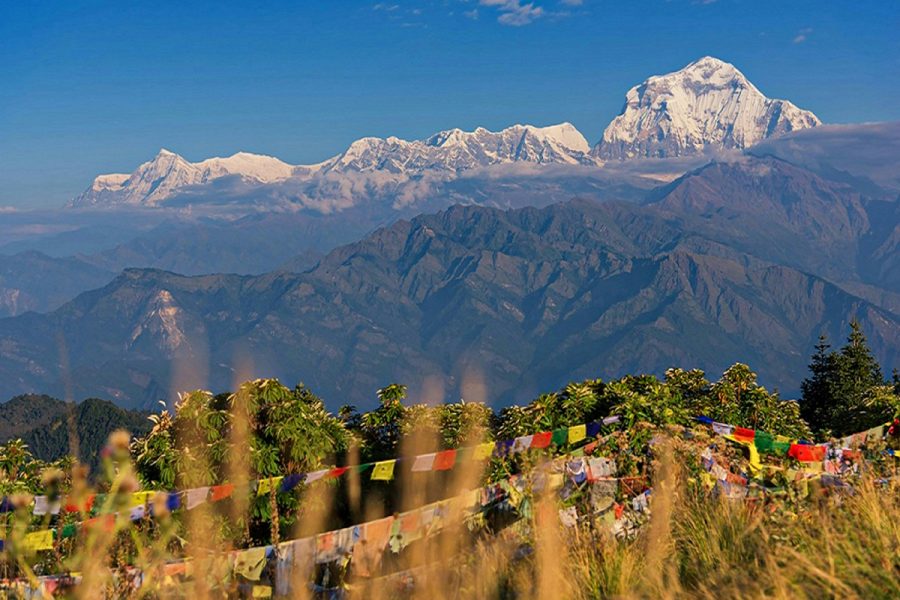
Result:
<point x="522" y="443"/>
<point x="195" y="497"/>
<point x="601" y="467"/>
<point x="743" y="434"/>
<point x="43" y="506"/>
<point x="250" y="563"/>
<point x="140" y="498"/>
<point x="484" y="451"/>
<point x="560" y="436"/>
<point x="424" y="462"/>
<point x="445" y="460"/>
<point x="266" y="485"/>
<point x="384" y="470"/>
<point x="807" y="453"/>
<point x="338" y="471"/>
<point x="541" y="440"/>
<point x="568" y="516"/>
<point x="592" y="429"/>
<point x="316" y="475"/>
<point x="73" y="505"/>
<point x="39" y="540"/>
<point x="325" y="547"/>
<point x="875" y="434"/>
<point x="220" y="492"/>
<point x="575" y="470"/>
<point x="781" y="445"/>
<point x="722" y="428"/>
<point x="764" y="442"/>
<point x="291" y="481"/>
<point x="577" y="433"/>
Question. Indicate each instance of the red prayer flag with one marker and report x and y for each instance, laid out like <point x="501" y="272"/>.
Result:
<point x="444" y="461"/>
<point x="220" y="492"/>
<point x="337" y="471"/>
<point x="743" y="434"/>
<point x="106" y="523"/>
<point x="807" y="453"/>
<point x="541" y="440"/>
<point x="852" y="454"/>
<point x="86" y="505"/>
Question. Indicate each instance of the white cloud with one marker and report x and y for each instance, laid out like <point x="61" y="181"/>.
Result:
<point x="385" y="7"/>
<point x="802" y="35"/>
<point x="514" y="12"/>
<point x="472" y="14"/>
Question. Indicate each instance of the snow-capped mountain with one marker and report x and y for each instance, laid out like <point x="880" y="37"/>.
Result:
<point x="446" y="153"/>
<point x="156" y="180"/>
<point x="707" y="104"/>
<point x="455" y="150"/>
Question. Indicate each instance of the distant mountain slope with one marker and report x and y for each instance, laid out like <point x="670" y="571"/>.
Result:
<point x="34" y="281"/>
<point x="730" y="263"/>
<point x="773" y="210"/>
<point x="708" y="104"/>
<point x="43" y="423"/>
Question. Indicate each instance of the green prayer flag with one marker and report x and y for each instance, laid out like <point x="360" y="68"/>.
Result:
<point x="68" y="530"/>
<point x="560" y="436"/>
<point x="765" y="442"/>
<point x="780" y="448"/>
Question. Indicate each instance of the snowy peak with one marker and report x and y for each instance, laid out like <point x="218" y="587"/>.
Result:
<point x="160" y="178"/>
<point x="444" y="154"/>
<point x="455" y="150"/>
<point x="707" y="104"/>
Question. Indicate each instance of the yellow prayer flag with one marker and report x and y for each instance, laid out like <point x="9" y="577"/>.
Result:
<point x="39" y="540"/>
<point x="140" y="498"/>
<point x="755" y="464"/>
<point x="577" y="433"/>
<point x="484" y="451"/>
<point x="267" y="485"/>
<point x="262" y="591"/>
<point x="384" y="470"/>
<point x="556" y="481"/>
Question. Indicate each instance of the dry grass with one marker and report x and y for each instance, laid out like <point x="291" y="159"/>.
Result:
<point x="694" y="545"/>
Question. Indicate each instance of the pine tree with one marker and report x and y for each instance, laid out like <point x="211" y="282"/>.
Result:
<point x="858" y="372"/>
<point x="837" y="396"/>
<point x="818" y="389"/>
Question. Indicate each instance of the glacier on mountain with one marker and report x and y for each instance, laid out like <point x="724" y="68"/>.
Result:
<point x="708" y="104"/>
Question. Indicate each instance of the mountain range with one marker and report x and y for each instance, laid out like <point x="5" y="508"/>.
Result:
<point x="747" y="260"/>
<point x="708" y="105"/>
<point x="709" y="225"/>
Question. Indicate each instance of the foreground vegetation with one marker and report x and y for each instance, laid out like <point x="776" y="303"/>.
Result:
<point x="787" y="534"/>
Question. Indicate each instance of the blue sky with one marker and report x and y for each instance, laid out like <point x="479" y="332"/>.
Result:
<point x="90" y="87"/>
